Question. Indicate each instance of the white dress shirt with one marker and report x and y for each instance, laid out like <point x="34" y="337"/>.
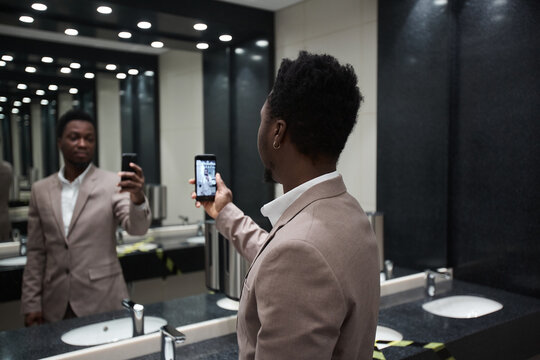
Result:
<point x="70" y="192"/>
<point x="274" y="209"/>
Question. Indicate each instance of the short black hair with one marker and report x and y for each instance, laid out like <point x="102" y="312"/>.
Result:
<point x="74" y="114"/>
<point x="318" y="99"/>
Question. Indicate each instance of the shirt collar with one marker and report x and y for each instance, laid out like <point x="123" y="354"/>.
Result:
<point x="79" y="178"/>
<point x="274" y="209"/>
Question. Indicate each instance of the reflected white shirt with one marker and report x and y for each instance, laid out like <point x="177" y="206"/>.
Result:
<point x="70" y="192"/>
<point x="274" y="209"/>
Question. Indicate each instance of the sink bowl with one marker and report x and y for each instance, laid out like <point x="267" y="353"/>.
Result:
<point x="195" y="240"/>
<point x="462" y="307"/>
<point x="109" y="331"/>
<point x="386" y="334"/>
<point x="14" y="261"/>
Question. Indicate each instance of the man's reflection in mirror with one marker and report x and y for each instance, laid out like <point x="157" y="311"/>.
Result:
<point x="72" y="267"/>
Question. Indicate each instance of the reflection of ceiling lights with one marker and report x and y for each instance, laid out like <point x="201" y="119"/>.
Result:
<point x="17" y="103"/>
<point x="14" y="111"/>
<point x="26" y="100"/>
<point x="44" y="102"/>
<point x="26" y="19"/>
<point x="22" y="86"/>
<point x="1" y="109"/>
<point x="144" y="25"/>
<point x="157" y="44"/>
<point x="256" y="57"/>
<point x="202" y="46"/>
<point x="239" y="51"/>
<point x="2" y="63"/>
<point x="47" y="59"/>
<point x="200" y="27"/>
<point x="3" y="99"/>
<point x="39" y="6"/>
<point x="73" y="91"/>
<point x="71" y="32"/>
<point x="439" y="2"/>
<point x="89" y="75"/>
<point x="53" y="87"/>
<point x="30" y="69"/>
<point x="65" y="70"/>
<point x="7" y="57"/>
<point x="110" y="67"/>
<point x="40" y="92"/>
<point x="121" y="76"/>
<point x="149" y="73"/>
<point x="124" y="34"/>
<point x="2" y="116"/>
<point x="104" y="10"/>
<point x="75" y="65"/>
<point x="261" y="43"/>
<point x="133" y="71"/>
<point x="225" y="37"/>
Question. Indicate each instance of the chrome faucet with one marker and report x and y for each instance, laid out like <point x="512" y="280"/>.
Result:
<point x="431" y="276"/>
<point x="200" y="229"/>
<point x="169" y="337"/>
<point x="137" y="316"/>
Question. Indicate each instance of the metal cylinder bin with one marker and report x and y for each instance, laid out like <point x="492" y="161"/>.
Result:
<point x="157" y="198"/>
<point x="235" y="269"/>
<point x="212" y="259"/>
<point x="377" y="223"/>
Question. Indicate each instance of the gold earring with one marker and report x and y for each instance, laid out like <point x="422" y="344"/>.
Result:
<point x="276" y="147"/>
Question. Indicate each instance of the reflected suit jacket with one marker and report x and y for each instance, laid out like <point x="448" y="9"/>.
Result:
<point x="82" y="268"/>
<point x="312" y="291"/>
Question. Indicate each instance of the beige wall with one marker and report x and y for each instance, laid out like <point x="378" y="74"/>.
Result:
<point x="181" y="129"/>
<point x="108" y="117"/>
<point x="346" y="29"/>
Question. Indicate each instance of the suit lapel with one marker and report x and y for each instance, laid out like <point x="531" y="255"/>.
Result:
<point x="55" y="197"/>
<point x="87" y="186"/>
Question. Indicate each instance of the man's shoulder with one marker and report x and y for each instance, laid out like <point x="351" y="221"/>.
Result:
<point x="51" y="179"/>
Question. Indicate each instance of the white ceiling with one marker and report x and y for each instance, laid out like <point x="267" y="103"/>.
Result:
<point x="271" y="5"/>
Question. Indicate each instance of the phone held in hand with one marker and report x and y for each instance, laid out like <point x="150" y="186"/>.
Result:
<point x="126" y="159"/>
<point x="205" y="177"/>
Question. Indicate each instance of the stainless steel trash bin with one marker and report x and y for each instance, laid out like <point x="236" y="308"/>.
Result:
<point x="235" y="269"/>
<point x="157" y="198"/>
<point x="212" y="258"/>
<point x="377" y="223"/>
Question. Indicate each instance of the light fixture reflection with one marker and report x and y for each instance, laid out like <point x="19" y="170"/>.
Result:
<point x="89" y="75"/>
<point x="26" y="19"/>
<point x="40" y="92"/>
<point x="53" y="87"/>
<point x="200" y="27"/>
<point x="104" y="10"/>
<point x="73" y="91"/>
<point x="121" y="76"/>
<point x="7" y="57"/>
<point x="39" y="6"/>
<point x="239" y="51"/>
<point x="2" y="63"/>
<point x="30" y="69"/>
<point x="157" y="44"/>
<point x="47" y="59"/>
<point x="14" y="111"/>
<point x="110" y="67"/>
<point x="225" y="38"/>
<point x="133" y="72"/>
<point x="149" y="73"/>
<point x="124" y="34"/>
<point x="71" y="32"/>
<point x="75" y="65"/>
<point x="26" y="100"/>
<point x="144" y="25"/>
<point x="17" y="103"/>
<point x="261" y="43"/>
<point x="44" y="102"/>
<point x="3" y="99"/>
<point x="202" y="46"/>
<point x="22" y="86"/>
<point x="65" y="70"/>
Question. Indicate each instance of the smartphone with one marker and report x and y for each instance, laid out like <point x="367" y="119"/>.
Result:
<point x="126" y="159"/>
<point x="205" y="177"/>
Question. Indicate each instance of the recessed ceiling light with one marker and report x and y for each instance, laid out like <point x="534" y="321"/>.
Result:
<point x="157" y="44"/>
<point x="104" y="10"/>
<point x="1" y="109"/>
<point x="71" y="32"/>
<point x="22" y="86"/>
<point x="144" y="25"/>
<point x="14" y="111"/>
<point x="89" y="75"/>
<point x="239" y="51"/>
<point x="17" y="103"/>
<point x="124" y="34"/>
<point x="439" y="2"/>
<point x="26" y="100"/>
<point x="225" y="37"/>
<point x="65" y="70"/>
<point x="44" y="102"/>
<point x="2" y="116"/>
<point x="40" y="92"/>
<point x="200" y="27"/>
<point x="75" y="65"/>
<point x="30" y="69"/>
<point x="47" y="59"/>
<point x="133" y="71"/>
<point x="3" y="99"/>
<point x="202" y="46"/>
<point x="149" y="73"/>
<point x="261" y="43"/>
<point x="26" y="19"/>
<point x="7" y="57"/>
<point x="2" y="63"/>
<point x="39" y="6"/>
<point x="53" y="87"/>
<point x="256" y="57"/>
<point x="110" y="67"/>
<point x="73" y="91"/>
<point x="121" y="76"/>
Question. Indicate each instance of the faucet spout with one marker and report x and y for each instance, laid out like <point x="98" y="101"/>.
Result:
<point x="169" y="337"/>
<point x="432" y="276"/>
<point x="137" y="316"/>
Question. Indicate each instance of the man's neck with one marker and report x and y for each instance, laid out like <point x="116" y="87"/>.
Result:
<point x="71" y="171"/>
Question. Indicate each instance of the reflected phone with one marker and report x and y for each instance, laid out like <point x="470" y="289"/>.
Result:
<point x="205" y="177"/>
<point x="126" y="159"/>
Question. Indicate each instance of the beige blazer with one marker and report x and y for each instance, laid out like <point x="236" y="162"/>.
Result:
<point x="82" y="268"/>
<point x="312" y="291"/>
<point x="6" y="177"/>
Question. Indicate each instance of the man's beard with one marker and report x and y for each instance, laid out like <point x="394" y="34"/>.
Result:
<point x="268" y="177"/>
<point x="81" y="165"/>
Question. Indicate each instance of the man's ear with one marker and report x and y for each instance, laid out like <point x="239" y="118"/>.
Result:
<point x="280" y="128"/>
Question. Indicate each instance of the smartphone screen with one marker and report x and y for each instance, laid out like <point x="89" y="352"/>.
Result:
<point x="126" y="159"/>
<point x="205" y="177"/>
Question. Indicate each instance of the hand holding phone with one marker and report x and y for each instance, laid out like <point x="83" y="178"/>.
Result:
<point x="126" y="159"/>
<point x="205" y="177"/>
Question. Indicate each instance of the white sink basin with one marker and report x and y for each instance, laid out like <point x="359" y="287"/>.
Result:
<point x="109" y="331"/>
<point x="195" y="240"/>
<point x="386" y="334"/>
<point x="14" y="261"/>
<point x="462" y="307"/>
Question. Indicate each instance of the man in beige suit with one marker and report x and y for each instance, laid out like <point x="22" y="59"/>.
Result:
<point x="312" y="291"/>
<point x="6" y="177"/>
<point x="72" y="267"/>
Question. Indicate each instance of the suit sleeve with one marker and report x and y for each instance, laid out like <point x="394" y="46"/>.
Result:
<point x="36" y="257"/>
<point x="300" y="304"/>
<point x="244" y="233"/>
<point x="135" y="219"/>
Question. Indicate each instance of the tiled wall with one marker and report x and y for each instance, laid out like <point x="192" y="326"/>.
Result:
<point x="346" y="29"/>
